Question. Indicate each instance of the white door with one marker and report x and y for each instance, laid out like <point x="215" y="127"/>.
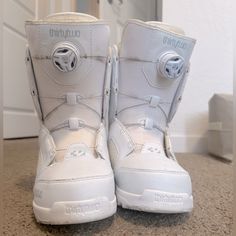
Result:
<point x="19" y="117"/>
<point x="117" y="12"/>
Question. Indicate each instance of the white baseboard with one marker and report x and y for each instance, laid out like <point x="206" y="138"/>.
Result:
<point x="192" y="144"/>
<point x="20" y="124"/>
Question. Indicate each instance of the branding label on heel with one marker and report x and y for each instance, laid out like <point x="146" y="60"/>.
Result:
<point x="168" y="198"/>
<point x="82" y="208"/>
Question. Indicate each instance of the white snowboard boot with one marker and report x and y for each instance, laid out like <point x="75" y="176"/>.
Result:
<point x="69" y="68"/>
<point x="149" y="74"/>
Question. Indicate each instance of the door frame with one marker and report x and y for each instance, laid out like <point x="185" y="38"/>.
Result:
<point x="159" y="10"/>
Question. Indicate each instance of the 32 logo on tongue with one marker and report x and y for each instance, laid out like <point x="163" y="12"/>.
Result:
<point x="75" y="151"/>
<point x="154" y="148"/>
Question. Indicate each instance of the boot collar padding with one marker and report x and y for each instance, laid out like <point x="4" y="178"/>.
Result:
<point x="163" y="27"/>
<point x="66" y="17"/>
<point x="167" y="27"/>
<point x="70" y="17"/>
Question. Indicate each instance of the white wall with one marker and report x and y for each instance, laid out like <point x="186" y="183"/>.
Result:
<point x="117" y="14"/>
<point x="210" y="22"/>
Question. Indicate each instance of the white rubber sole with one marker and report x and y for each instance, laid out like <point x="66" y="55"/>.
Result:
<point x="155" y="201"/>
<point x="75" y="212"/>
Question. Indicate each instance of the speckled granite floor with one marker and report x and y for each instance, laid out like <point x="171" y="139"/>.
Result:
<point x="212" y="191"/>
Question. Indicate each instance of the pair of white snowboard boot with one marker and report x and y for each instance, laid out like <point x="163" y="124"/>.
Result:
<point x="88" y="95"/>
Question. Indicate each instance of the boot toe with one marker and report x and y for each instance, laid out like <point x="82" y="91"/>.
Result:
<point x="65" y="194"/>
<point x="154" y="185"/>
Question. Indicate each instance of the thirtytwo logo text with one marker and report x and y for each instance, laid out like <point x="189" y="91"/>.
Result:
<point x="67" y="33"/>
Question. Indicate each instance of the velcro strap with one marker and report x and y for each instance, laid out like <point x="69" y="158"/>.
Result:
<point x="47" y="145"/>
<point x="75" y="123"/>
<point x="71" y="98"/>
<point x="119" y="135"/>
<point x="168" y="146"/>
<point x="148" y="123"/>
<point x="154" y="101"/>
<point x="101" y="143"/>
